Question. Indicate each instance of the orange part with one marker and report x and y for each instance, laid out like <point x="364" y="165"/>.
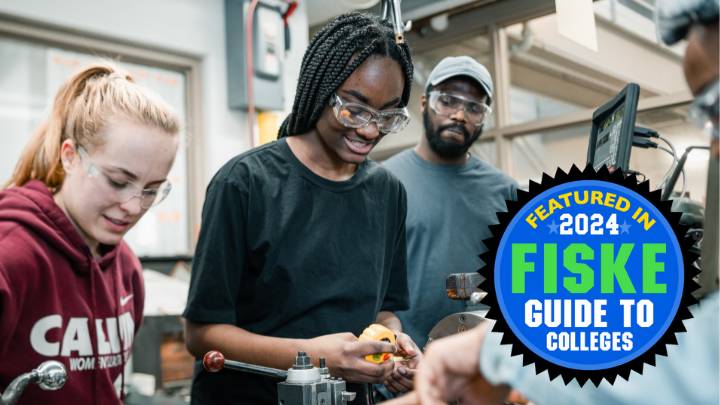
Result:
<point x="379" y="333"/>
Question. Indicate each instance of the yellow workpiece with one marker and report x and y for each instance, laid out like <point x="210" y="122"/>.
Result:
<point x="379" y="333"/>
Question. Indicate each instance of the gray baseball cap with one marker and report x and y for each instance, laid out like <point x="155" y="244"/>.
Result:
<point x="453" y="66"/>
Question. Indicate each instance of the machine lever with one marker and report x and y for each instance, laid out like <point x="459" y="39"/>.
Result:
<point x="49" y="376"/>
<point x="214" y="361"/>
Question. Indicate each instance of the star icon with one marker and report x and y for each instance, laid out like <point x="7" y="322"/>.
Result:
<point x="625" y="228"/>
<point x="553" y="227"/>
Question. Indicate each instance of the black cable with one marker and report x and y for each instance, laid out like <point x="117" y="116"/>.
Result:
<point x="644" y="143"/>
<point x="636" y="173"/>
<point x="679" y="168"/>
<point x="646" y="132"/>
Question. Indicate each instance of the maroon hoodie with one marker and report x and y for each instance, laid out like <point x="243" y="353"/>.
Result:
<point x="57" y="302"/>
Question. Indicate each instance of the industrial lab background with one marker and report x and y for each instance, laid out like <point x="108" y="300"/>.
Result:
<point x="192" y="53"/>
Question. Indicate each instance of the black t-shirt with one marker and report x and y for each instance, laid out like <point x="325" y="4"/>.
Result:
<point x="284" y="252"/>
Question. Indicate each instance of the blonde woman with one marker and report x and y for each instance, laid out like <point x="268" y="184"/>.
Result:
<point x="70" y="289"/>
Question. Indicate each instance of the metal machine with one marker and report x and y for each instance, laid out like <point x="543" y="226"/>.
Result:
<point x="463" y="287"/>
<point x="304" y="384"/>
<point x="49" y="376"/>
<point x="456" y="323"/>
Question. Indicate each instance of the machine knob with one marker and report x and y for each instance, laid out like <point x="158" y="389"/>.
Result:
<point x="302" y="362"/>
<point x="324" y="370"/>
<point x="51" y="375"/>
<point x="347" y="396"/>
<point x="213" y="361"/>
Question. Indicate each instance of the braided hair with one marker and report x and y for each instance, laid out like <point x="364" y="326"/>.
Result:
<point x="332" y="56"/>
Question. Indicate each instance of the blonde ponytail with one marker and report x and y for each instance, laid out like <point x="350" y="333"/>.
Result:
<point x="80" y="112"/>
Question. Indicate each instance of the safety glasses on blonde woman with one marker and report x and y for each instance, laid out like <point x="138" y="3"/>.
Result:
<point x="122" y="190"/>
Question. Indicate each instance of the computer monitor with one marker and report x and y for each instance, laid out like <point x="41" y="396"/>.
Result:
<point x="613" y="126"/>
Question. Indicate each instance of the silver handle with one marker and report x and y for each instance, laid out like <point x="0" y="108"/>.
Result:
<point x="49" y="376"/>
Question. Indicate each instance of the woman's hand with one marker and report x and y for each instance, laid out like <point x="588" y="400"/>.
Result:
<point x="401" y="378"/>
<point x="345" y="357"/>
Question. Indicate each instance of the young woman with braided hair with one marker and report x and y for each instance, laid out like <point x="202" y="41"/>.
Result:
<point x="302" y="244"/>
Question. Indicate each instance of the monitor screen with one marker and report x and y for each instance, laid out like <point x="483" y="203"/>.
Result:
<point x="613" y="125"/>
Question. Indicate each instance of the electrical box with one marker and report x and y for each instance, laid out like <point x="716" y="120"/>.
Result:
<point x="268" y="54"/>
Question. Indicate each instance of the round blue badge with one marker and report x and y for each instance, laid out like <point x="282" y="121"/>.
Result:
<point x="588" y="276"/>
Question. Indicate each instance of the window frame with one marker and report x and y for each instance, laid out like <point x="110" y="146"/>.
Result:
<point x="190" y="65"/>
<point x="482" y="21"/>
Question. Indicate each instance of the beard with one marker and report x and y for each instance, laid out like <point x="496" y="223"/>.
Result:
<point x="449" y="149"/>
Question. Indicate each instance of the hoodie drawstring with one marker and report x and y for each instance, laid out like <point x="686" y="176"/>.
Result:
<point x="94" y="326"/>
<point x="116" y="286"/>
<point x="116" y="282"/>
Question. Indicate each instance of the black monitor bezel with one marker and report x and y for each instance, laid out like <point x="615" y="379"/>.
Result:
<point x="629" y="96"/>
